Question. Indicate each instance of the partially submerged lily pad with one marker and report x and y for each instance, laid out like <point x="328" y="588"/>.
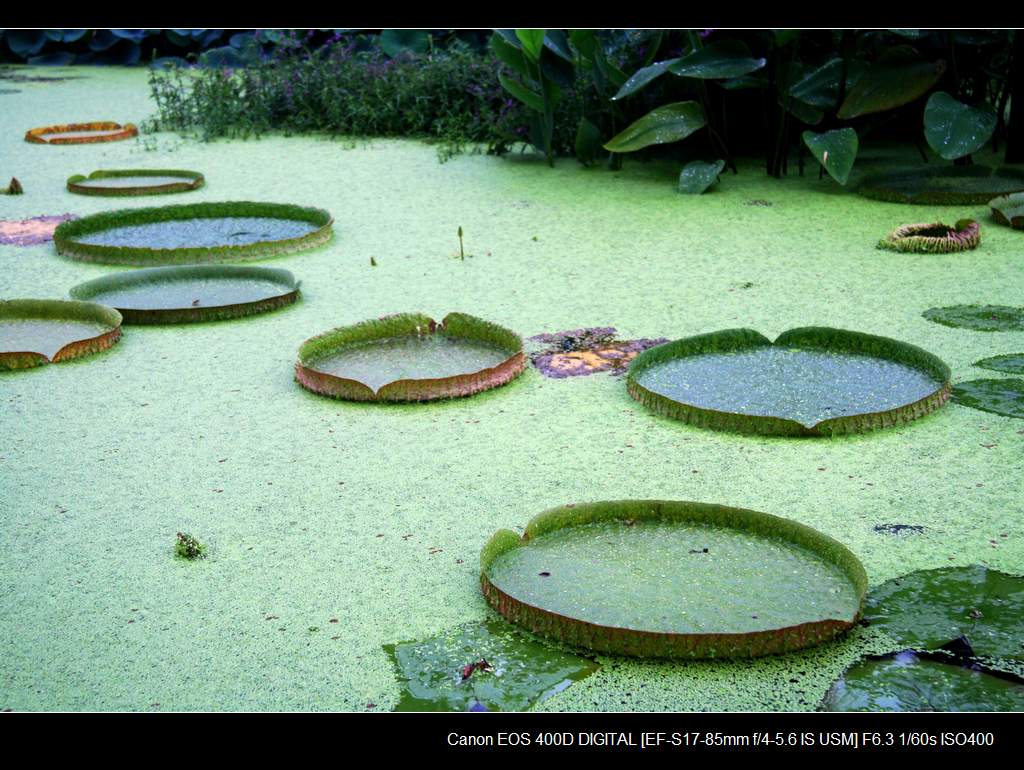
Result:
<point x="942" y="185"/>
<point x="31" y="232"/>
<point x="934" y="237"/>
<point x="410" y="357"/>
<point x="1011" y="363"/>
<point x="910" y="682"/>
<point x="1009" y="210"/>
<point x="42" y="331"/>
<point x="580" y="352"/>
<point x="191" y="292"/>
<point x="810" y="381"/>
<point x="656" y="578"/>
<point x="979" y="318"/>
<point x="999" y="396"/>
<point x="129" y="182"/>
<point x="81" y="133"/>
<point x="193" y="233"/>
<point x="929" y="609"/>
<point x="487" y="666"/>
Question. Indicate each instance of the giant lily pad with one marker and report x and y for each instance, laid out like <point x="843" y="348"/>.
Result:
<point x="42" y="331"/>
<point x="899" y="76"/>
<point x="942" y="185"/>
<point x="410" y="357"/>
<point x="191" y="292"/>
<point x="657" y="578"/>
<point x="191" y="233"/>
<point x="954" y="129"/>
<point x="81" y="133"/>
<point x="1011" y="363"/>
<point x="810" y="381"/>
<point x="1009" y="210"/>
<point x="909" y="682"/>
<point x="999" y="396"/>
<point x="979" y="318"/>
<point x="928" y="609"/>
<point x="933" y="237"/>
<point x="486" y="666"/>
<point x="135" y="182"/>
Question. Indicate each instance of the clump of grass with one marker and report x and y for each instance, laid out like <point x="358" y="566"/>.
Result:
<point x="188" y="547"/>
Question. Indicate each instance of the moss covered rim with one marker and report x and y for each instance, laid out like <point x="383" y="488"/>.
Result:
<point x="111" y="132"/>
<point x="59" y="310"/>
<point x="288" y="293"/>
<point x="454" y="325"/>
<point x="1009" y="210"/>
<point x="65" y="237"/>
<point x="625" y="641"/>
<point x="974" y="184"/>
<point x="933" y="237"/>
<point x="809" y="337"/>
<point x="190" y="180"/>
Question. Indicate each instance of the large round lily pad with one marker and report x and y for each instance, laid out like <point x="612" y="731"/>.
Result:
<point x="979" y="318"/>
<point x="410" y="357"/>
<point x="127" y="182"/>
<point x="1009" y="210"/>
<point x="193" y="233"/>
<point x="191" y="292"/>
<point x="810" y="381"/>
<point x="942" y="185"/>
<point x="42" y="331"/>
<point x="999" y="396"/>
<point x="81" y="133"/>
<point x="659" y="578"/>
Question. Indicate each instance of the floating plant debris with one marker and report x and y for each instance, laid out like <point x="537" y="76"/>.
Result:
<point x="656" y="578"/>
<point x="135" y="182"/>
<point x="910" y="682"/>
<point x="188" y="547"/>
<point x="191" y="292"/>
<point x="14" y="188"/>
<point x="1009" y="210"/>
<point x="999" y="396"/>
<point x="979" y="318"/>
<point x="410" y="357"/>
<point x="899" y="529"/>
<point x="584" y="351"/>
<point x="192" y="233"/>
<point x="487" y="666"/>
<point x="81" y="133"/>
<point x="934" y="238"/>
<point x="942" y="185"/>
<point x="1011" y="363"/>
<point x="929" y="609"/>
<point x="42" y="331"/>
<point x="30" y="232"/>
<point x="810" y="381"/>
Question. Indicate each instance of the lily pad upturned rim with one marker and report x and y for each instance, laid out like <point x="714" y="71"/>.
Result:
<point x="1009" y="210"/>
<point x="190" y="180"/>
<point x="634" y="642"/>
<point x="455" y="324"/>
<point x="814" y="337"/>
<point x="127" y="131"/>
<point x="65" y="237"/>
<point x="290" y="292"/>
<point x="963" y="236"/>
<point x="60" y="309"/>
<point x="881" y="185"/>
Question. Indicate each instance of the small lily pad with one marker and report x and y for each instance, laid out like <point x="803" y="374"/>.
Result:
<point x="81" y="133"/>
<point x="487" y="666"/>
<point x="42" y="331"/>
<point x="698" y="176"/>
<point x="910" y="682"/>
<point x="1009" y="210"/>
<point x="999" y="396"/>
<point x="934" y="237"/>
<point x="929" y="609"/>
<point x="1011" y="363"/>
<point x="979" y="318"/>
<point x="131" y="182"/>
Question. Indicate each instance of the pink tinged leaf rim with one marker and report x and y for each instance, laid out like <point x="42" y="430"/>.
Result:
<point x="963" y="236"/>
<point x="71" y="310"/>
<point x="649" y="644"/>
<point x="190" y="180"/>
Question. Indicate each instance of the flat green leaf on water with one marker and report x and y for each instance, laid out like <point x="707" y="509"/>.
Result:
<point x="642" y="77"/>
<point x="836" y="150"/>
<point x="518" y="670"/>
<point x="908" y="682"/>
<point x="954" y="129"/>
<point x="930" y="608"/>
<point x="669" y="123"/>
<point x="979" y="318"/>
<point x="1011" y="363"/>
<point x="532" y="41"/>
<point x="725" y="59"/>
<point x="697" y="176"/>
<point x="1003" y="396"/>
<point x="897" y="77"/>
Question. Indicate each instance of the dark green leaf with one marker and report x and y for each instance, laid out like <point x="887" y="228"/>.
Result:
<point x="643" y="76"/>
<point x="556" y="41"/>
<point x="1005" y="397"/>
<point x="66" y="35"/>
<point x="135" y="35"/>
<point x="396" y="41"/>
<point x="743" y="82"/>
<point x="585" y="41"/>
<point x="669" y="123"/>
<point x="55" y="59"/>
<point x="898" y="77"/>
<point x="803" y="112"/>
<point x="980" y="318"/>
<point x="532" y="41"/>
<point x="698" y="176"/>
<point x="557" y="70"/>
<point x="784" y="37"/>
<point x="588" y="141"/>
<point x="531" y="99"/>
<point x="821" y="87"/>
<point x="25" y="42"/>
<point x="724" y="59"/>
<point x="836" y="150"/>
<point x="1010" y="363"/>
<point x="954" y="129"/>
<point x="509" y="54"/>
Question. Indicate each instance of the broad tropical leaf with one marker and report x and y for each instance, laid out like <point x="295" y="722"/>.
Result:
<point x="954" y="129"/>
<point x="898" y="77"/>
<point x="835" y="150"/>
<point x="661" y="126"/>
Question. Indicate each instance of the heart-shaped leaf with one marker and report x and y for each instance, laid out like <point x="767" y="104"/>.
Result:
<point x="724" y="59"/>
<point x="835" y="150"/>
<point x="669" y="123"/>
<point x="698" y="176"/>
<point x="532" y="41"/>
<point x="820" y="88"/>
<point x="642" y="77"/>
<point x="898" y="77"/>
<point x="25" y="42"/>
<point x="954" y="129"/>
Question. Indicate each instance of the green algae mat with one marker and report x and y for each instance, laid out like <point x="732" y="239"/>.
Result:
<point x="131" y="182"/>
<point x="192" y="233"/>
<point x="810" y="381"/>
<point x="673" y="579"/>
<point x="942" y="185"/>
<point x="410" y="357"/>
<point x="40" y="331"/>
<point x="191" y="293"/>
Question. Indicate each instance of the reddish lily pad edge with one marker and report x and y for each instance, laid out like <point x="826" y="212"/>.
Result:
<point x="65" y="237"/>
<point x="289" y="292"/>
<point x="190" y="180"/>
<point x="38" y="135"/>
<point x="648" y="644"/>
<point x="812" y="337"/>
<point x="454" y="325"/>
<point x="963" y="236"/>
<point x="59" y="309"/>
